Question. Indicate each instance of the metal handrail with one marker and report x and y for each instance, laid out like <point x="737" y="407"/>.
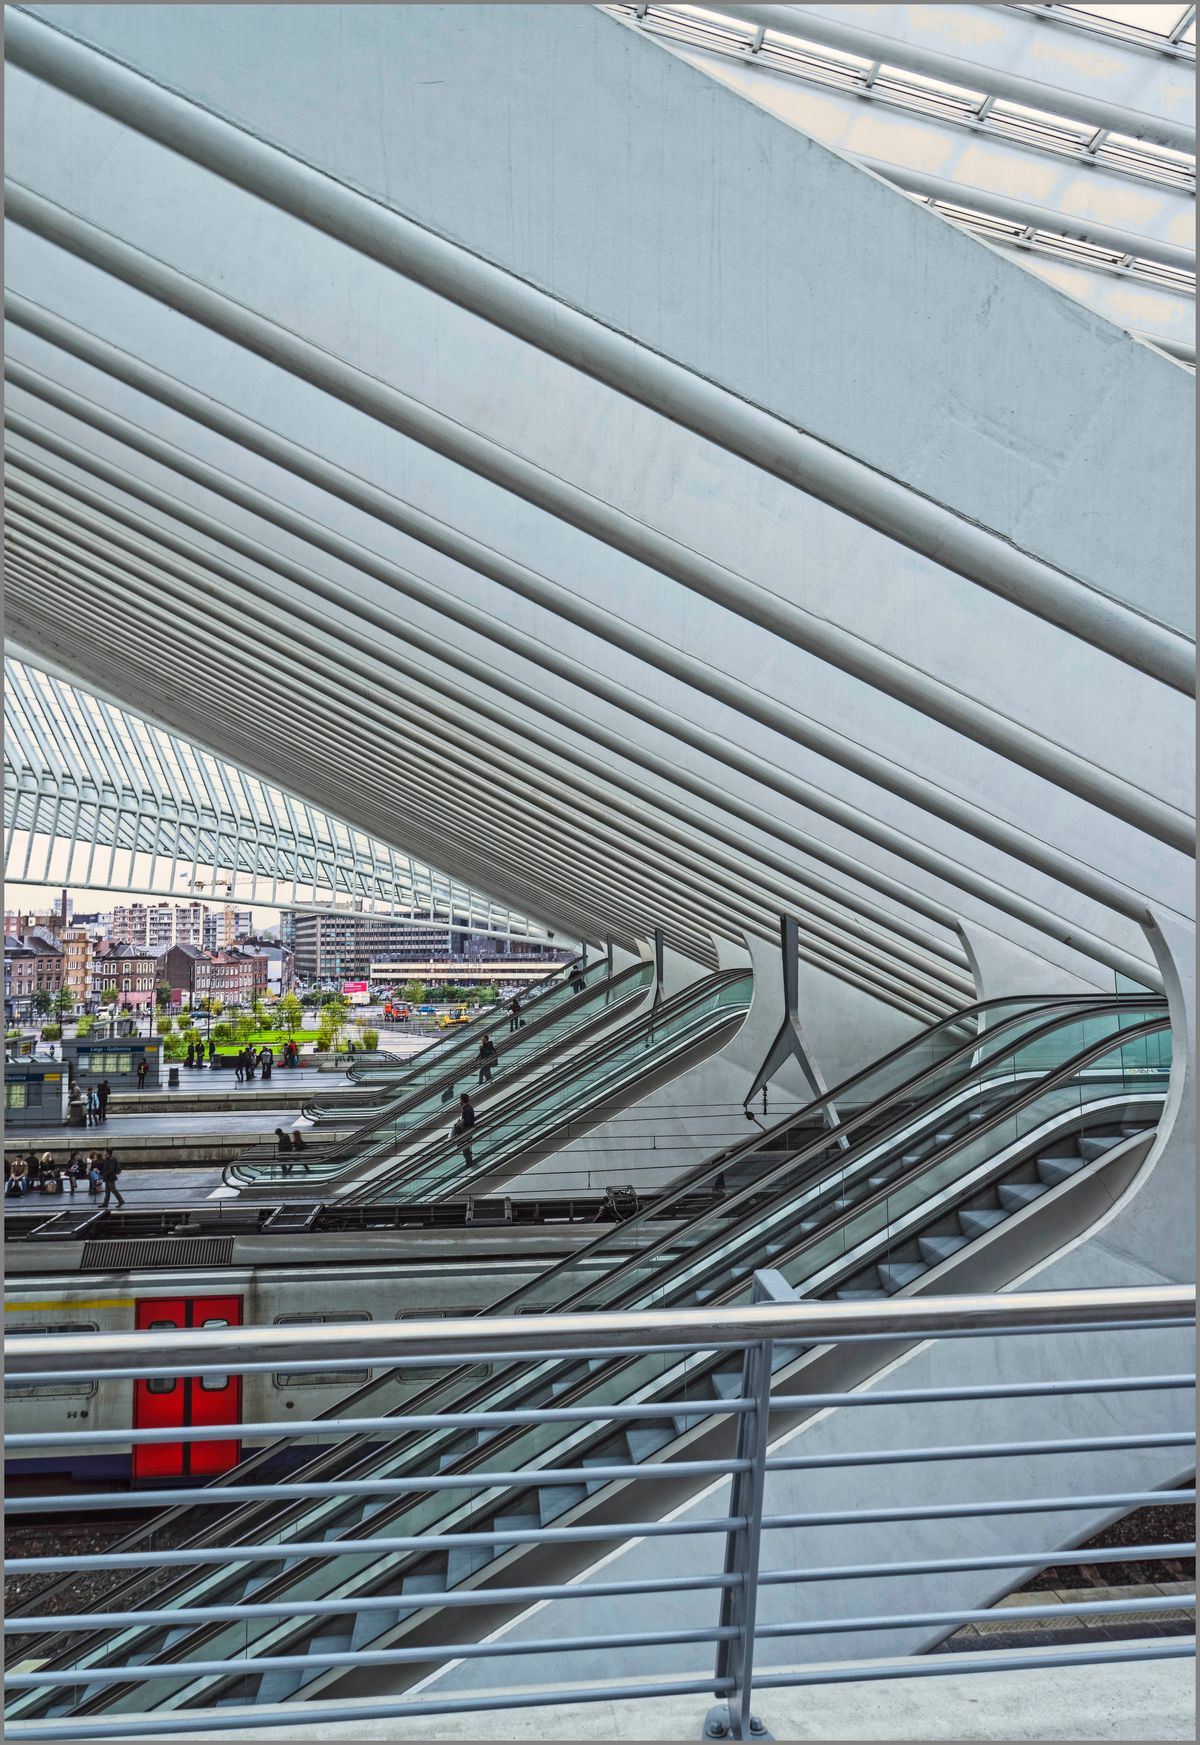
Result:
<point x="733" y="1632"/>
<point x="396" y="1342"/>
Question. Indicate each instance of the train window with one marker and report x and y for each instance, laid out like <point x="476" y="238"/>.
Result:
<point x="418" y="1375"/>
<point x="160" y="1384"/>
<point x="52" y="1390"/>
<point x="318" y="1378"/>
<point x="212" y="1384"/>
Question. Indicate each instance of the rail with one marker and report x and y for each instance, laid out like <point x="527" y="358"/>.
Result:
<point x="714" y="1610"/>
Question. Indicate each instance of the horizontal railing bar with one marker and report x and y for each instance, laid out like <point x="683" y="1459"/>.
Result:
<point x="291" y="1550"/>
<point x="367" y="1360"/>
<point x="695" y="1329"/>
<point x="370" y="1487"/>
<point x="571" y="1535"/>
<point x="488" y="1596"/>
<point x="979" y="1451"/>
<point x="983" y="1615"/>
<point x="1005" y="1660"/>
<point x="287" y="1715"/>
<point x="397" y="1424"/>
<point x="21" y="1378"/>
<point x="145" y="1673"/>
<point x="1017" y="1390"/>
<point x="957" y="1511"/>
<point x="779" y="1402"/>
<point x="1049" y="1559"/>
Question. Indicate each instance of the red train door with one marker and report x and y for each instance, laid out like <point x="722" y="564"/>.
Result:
<point x="169" y="1402"/>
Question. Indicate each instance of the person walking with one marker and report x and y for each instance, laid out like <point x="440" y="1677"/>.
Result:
<point x="212" y="1052"/>
<point x="93" y="1107"/>
<point x="464" y="1124"/>
<point x="239" y="1068"/>
<point x="104" y="1092"/>
<point x="487" y="1059"/>
<point x="110" y="1169"/>
<point x="142" y="1071"/>
<point x="578" y="982"/>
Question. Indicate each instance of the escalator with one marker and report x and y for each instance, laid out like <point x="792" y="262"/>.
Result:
<point x="427" y="1091"/>
<point x="394" y="1068"/>
<point x="535" y="1120"/>
<point x="389" y="1075"/>
<point x="936" y="1160"/>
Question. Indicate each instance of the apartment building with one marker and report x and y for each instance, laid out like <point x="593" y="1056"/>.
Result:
<point x="130" y="969"/>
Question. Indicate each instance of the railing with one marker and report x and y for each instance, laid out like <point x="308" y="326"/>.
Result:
<point x="743" y="1526"/>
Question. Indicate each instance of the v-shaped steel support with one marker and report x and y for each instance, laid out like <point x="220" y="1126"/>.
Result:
<point x="789" y="1041"/>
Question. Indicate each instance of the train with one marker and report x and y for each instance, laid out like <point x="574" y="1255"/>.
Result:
<point x="456" y="1278"/>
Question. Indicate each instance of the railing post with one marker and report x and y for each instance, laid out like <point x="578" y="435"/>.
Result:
<point x="731" y="1718"/>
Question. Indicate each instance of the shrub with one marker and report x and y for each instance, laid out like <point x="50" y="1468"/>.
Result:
<point x="370" y="1039"/>
<point x="222" y="1034"/>
<point x="174" y="1048"/>
<point x="51" y="1032"/>
<point x="84" y="1026"/>
<point x="164" y="1024"/>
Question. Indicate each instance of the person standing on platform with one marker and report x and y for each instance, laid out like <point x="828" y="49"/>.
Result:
<point x="110" y="1169"/>
<point x="142" y="1071"/>
<point x="93" y="1107"/>
<point x="239" y="1068"/>
<point x="104" y="1092"/>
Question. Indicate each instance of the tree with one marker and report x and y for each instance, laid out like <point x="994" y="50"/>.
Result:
<point x="414" y="993"/>
<point x="108" y="996"/>
<point x="42" y="1001"/>
<point x="290" y="1013"/>
<point x="162" y="994"/>
<point x="64" y="1004"/>
<point x="261" y="1015"/>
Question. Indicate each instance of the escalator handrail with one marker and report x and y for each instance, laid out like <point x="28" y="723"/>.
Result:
<point x="582" y="1060"/>
<point x="395" y="1109"/>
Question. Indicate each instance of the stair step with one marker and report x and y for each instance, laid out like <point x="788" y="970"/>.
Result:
<point x="368" y="1626"/>
<point x="1014" y="1195"/>
<point x="429" y="1582"/>
<point x="518" y="1522"/>
<point x="276" y="1686"/>
<point x="645" y="1440"/>
<point x="463" y="1561"/>
<point x="936" y="1248"/>
<point x="555" y="1499"/>
<point x="1094" y="1145"/>
<point x="898" y="1273"/>
<point x="727" y="1383"/>
<point x="596" y="1484"/>
<point x="1053" y="1170"/>
<point x="975" y="1221"/>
